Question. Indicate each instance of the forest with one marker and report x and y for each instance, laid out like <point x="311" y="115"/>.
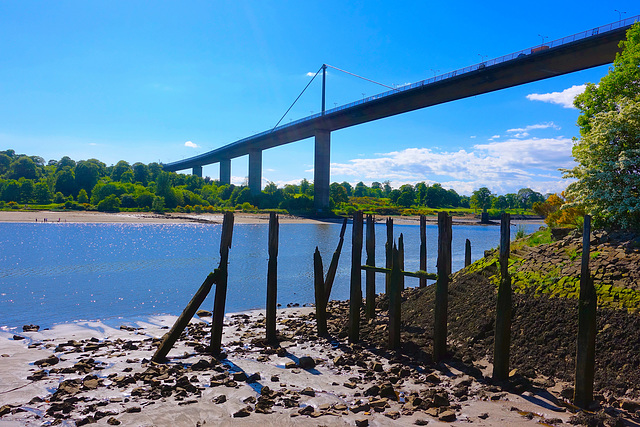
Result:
<point x="33" y="183"/>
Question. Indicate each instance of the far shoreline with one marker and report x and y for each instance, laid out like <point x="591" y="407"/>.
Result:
<point x="93" y="217"/>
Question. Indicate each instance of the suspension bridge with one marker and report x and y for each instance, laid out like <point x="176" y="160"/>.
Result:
<point x="591" y="48"/>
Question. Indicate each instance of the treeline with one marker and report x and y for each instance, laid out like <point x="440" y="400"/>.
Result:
<point x="92" y="185"/>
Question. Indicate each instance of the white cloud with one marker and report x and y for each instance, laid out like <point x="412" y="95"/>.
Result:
<point x="494" y="137"/>
<point x="536" y="126"/>
<point x="310" y="74"/>
<point x="190" y="144"/>
<point x="502" y="166"/>
<point x="473" y="137"/>
<point x="564" y="98"/>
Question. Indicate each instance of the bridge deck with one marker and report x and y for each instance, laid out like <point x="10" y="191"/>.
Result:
<point x="580" y="51"/>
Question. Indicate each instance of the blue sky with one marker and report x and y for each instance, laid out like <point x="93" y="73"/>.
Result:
<point x="161" y="81"/>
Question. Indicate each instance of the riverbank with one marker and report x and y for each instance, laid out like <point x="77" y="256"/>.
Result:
<point x="204" y="218"/>
<point x="88" y="372"/>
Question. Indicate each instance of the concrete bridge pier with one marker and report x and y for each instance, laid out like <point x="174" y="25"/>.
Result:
<point x="225" y="171"/>
<point x="197" y="171"/>
<point x="255" y="171"/>
<point x="321" y="170"/>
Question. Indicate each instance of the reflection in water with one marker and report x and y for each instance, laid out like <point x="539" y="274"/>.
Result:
<point x="51" y="273"/>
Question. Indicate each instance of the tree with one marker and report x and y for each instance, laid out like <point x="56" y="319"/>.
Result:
<point x="421" y="193"/>
<point x="621" y="82"/>
<point x="26" y="190"/>
<point x="608" y="171"/>
<point x="23" y="167"/>
<point x="361" y="190"/>
<point x="527" y="197"/>
<point x="87" y="175"/>
<point x="140" y="173"/>
<point x="120" y="168"/>
<point x="64" y="162"/>
<point x="65" y="181"/>
<point x="5" y="162"/>
<point x="608" y="153"/>
<point x="109" y="204"/>
<point x="82" y="196"/>
<point x="42" y="194"/>
<point x="481" y="199"/>
<point x="270" y="188"/>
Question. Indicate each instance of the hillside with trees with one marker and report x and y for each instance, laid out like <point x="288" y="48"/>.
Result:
<point x="27" y="181"/>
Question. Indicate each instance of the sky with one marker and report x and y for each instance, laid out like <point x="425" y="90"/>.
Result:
<point x="160" y="81"/>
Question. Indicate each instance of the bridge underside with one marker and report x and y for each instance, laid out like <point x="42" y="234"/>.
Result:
<point x="578" y="55"/>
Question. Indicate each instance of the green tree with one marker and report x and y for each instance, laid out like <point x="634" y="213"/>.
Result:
<point x="82" y="196"/>
<point x="120" y="168"/>
<point x="64" y="162"/>
<point x="23" y="167"/>
<point x="42" y="194"/>
<point x="109" y="204"/>
<point x="620" y="83"/>
<point x="338" y="193"/>
<point x="11" y="191"/>
<point x="140" y="173"/>
<point x="158" y="204"/>
<point x="65" y="181"/>
<point x="87" y="175"/>
<point x="5" y="162"/>
<point x="481" y="199"/>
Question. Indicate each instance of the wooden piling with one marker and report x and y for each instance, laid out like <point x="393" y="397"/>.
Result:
<point x="442" y="286"/>
<point x="355" y="294"/>
<point x="401" y="259"/>
<point x="333" y="266"/>
<point x="467" y="253"/>
<point x="370" y="306"/>
<point x="187" y="314"/>
<point x="321" y="299"/>
<point x="388" y="253"/>
<point x="423" y="248"/>
<point x="221" y="285"/>
<point x="395" y="300"/>
<point x="585" y="354"/>
<point x="503" y="308"/>
<point x="272" y="278"/>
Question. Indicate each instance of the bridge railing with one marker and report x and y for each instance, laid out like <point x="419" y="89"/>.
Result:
<point x="479" y="66"/>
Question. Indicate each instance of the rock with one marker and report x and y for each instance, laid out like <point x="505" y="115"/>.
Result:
<point x="394" y="415"/>
<point x="483" y="416"/>
<point x="372" y="391"/>
<point x="253" y="378"/>
<point x="290" y="365"/>
<point x="239" y="376"/>
<point x="113" y="421"/>
<point x="630" y="406"/>
<point x="85" y="421"/>
<point x="242" y="413"/>
<point x="421" y="422"/>
<point x="447" y="416"/>
<point x="433" y="412"/>
<point x="203" y="313"/>
<point x="201" y="365"/>
<point x="133" y="409"/>
<point x="220" y="399"/>
<point x="308" y="392"/>
<point x="377" y="367"/>
<point x="362" y="422"/>
<point x="433" y="378"/>
<point x="49" y="361"/>
<point x="306" y="362"/>
<point x="4" y="409"/>
<point x="307" y="410"/>
<point x="387" y="391"/>
<point x="30" y="328"/>
<point x="362" y="407"/>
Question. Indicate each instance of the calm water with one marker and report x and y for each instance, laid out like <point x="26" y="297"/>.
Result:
<point x="52" y="273"/>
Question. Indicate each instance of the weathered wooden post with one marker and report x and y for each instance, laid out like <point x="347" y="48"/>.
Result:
<point x="503" y="308"/>
<point x="355" y="294"/>
<point x="221" y="285"/>
<point x="321" y="298"/>
<point x="442" y="287"/>
<point x="423" y="248"/>
<point x="187" y="314"/>
<point x="395" y="300"/>
<point x="586" y="351"/>
<point x="401" y="259"/>
<point x="333" y="266"/>
<point x="272" y="278"/>
<point x="388" y="253"/>
<point x="467" y="253"/>
<point x="370" y="307"/>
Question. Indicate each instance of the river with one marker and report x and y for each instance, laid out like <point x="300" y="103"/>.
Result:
<point x="57" y="272"/>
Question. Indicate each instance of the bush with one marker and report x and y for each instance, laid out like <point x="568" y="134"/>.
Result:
<point x="109" y="204"/>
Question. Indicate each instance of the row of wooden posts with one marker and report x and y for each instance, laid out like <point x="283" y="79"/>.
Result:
<point x="394" y="284"/>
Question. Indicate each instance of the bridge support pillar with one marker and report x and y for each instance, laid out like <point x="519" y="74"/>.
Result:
<point x="225" y="171"/>
<point x="255" y="171"/>
<point x="197" y="171"/>
<point x="321" y="170"/>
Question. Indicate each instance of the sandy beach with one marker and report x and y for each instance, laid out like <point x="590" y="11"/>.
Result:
<point x="203" y="218"/>
<point x="87" y="372"/>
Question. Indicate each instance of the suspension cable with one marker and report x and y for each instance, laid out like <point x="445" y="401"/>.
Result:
<point x="294" y="102"/>
<point x="360" y="77"/>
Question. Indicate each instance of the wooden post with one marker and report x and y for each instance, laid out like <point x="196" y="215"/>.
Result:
<point x="190" y="310"/>
<point x="401" y="259"/>
<point x="272" y="278"/>
<point x="388" y="253"/>
<point x="370" y="307"/>
<point x="503" y="308"/>
<point x="423" y="248"/>
<point x="442" y="287"/>
<point x="321" y="299"/>
<point x="355" y="294"/>
<point x="221" y="285"/>
<point x="467" y="253"/>
<point x="333" y="266"/>
<point x="395" y="300"/>
<point x="586" y="351"/>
